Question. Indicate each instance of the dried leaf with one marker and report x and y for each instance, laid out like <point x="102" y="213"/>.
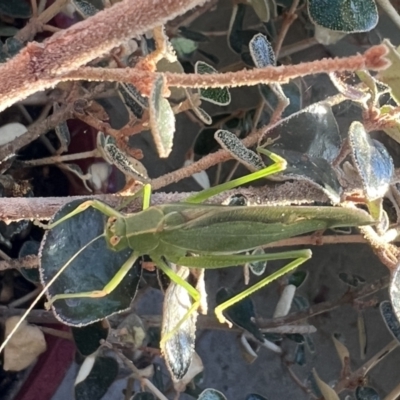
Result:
<point x="24" y="347"/>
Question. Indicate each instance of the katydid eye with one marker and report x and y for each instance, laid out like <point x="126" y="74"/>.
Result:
<point x="114" y="240"/>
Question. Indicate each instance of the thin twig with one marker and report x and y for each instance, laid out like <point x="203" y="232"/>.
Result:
<point x="289" y="17"/>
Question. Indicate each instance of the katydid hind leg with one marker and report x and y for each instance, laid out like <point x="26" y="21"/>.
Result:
<point x="279" y="165"/>
<point x="270" y="278"/>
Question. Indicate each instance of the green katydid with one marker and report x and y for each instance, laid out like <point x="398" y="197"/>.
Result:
<point x="205" y="236"/>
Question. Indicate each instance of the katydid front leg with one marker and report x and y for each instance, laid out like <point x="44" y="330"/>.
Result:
<point x="98" y="205"/>
<point x="115" y="281"/>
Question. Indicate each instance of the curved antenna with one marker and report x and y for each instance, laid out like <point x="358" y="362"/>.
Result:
<point x="44" y="290"/>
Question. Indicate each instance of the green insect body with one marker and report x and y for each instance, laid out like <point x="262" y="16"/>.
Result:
<point x="202" y="236"/>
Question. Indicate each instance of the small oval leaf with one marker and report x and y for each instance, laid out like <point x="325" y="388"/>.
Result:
<point x="162" y="119"/>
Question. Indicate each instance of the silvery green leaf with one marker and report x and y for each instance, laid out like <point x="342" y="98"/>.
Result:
<point x="162" y="119"/>
<point x="219" y="96"/>
<point x="389" y="316"/>
<point x="300" y="355"/>
<point x="241" y="313"/>
<point x="235" y="40"/>
<point x="199" y="112"/>
<point x="258" y="267"/>
<point x="261" y="8"/>
<point x="261" y="51"/>
<point x="301" y="303"/>
<point x="62" y="132"/>
<point x="126" y="164"/>
<point x="372" y="160"/>
<point x="7" y="30"/>
<point x="348" y="90"/>
<point x="351" y="279"/>
<point x="238" y="150"/>
<point x="131" y="104"/>
<point x="211" y="394"/>
<point x="135" y="94"/>
<point x="254" y="396"/>
<point x="292" y="91"/>
<point x="15" y="8"/>
<point x="391" y="75"/>
<point x="394" y="291"/>
<point x="326" y="36"/>
<point x="85" y="8"/>
<point x="366" y="393"/>
<point x="297" y="278"/>
<point x="344" y="15"/>
<point x="164" y="65"/>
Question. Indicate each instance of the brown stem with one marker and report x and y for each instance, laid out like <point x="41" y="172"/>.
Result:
<point x="42" y="65"/>
<point x="288" y="20"/>
<point x="43" y="208"/>
<point x="373" y="59"/>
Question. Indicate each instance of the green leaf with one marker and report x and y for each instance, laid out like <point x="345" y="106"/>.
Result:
<point x="15" y="8"/>
<point x="184" y="47"/>
<point x="238" y="150"/>
<point x="390" y="318"/>
<point x="85" y="8"/>
<point x="241" y="314"/>
<point x="219" y="96"/>
<point x="366" y="393"/>
<point x="300" y="355"/>
<point x="372" y="160"/>
<point x="351" y="279"/>
<point x="103" y="373"/>
<point x="344" y="15"/>
<point x="235" y="39"/>
<point x="87" y="338"/>
<point x="258" y="267"/>
<point x="254" y="396"/>
<point x="162" y="119"/>
<point x="30" y="247"/>
<point x="130" y="102"/>
<point x="391" y="75"/>
<point x="211" y="394"/>
<point x="261" y="8"/>
<point x="261" y="51"/>
<point x="297" y="278"/>
<point x="144" y="396"/>
<point x="91" y="270"/>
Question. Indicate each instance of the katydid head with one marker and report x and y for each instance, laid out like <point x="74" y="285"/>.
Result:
<point x="115" y="232"/>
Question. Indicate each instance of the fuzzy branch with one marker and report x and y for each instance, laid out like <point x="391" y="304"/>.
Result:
<point x="42" y="65"/>
<point x="372" y="59"/>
